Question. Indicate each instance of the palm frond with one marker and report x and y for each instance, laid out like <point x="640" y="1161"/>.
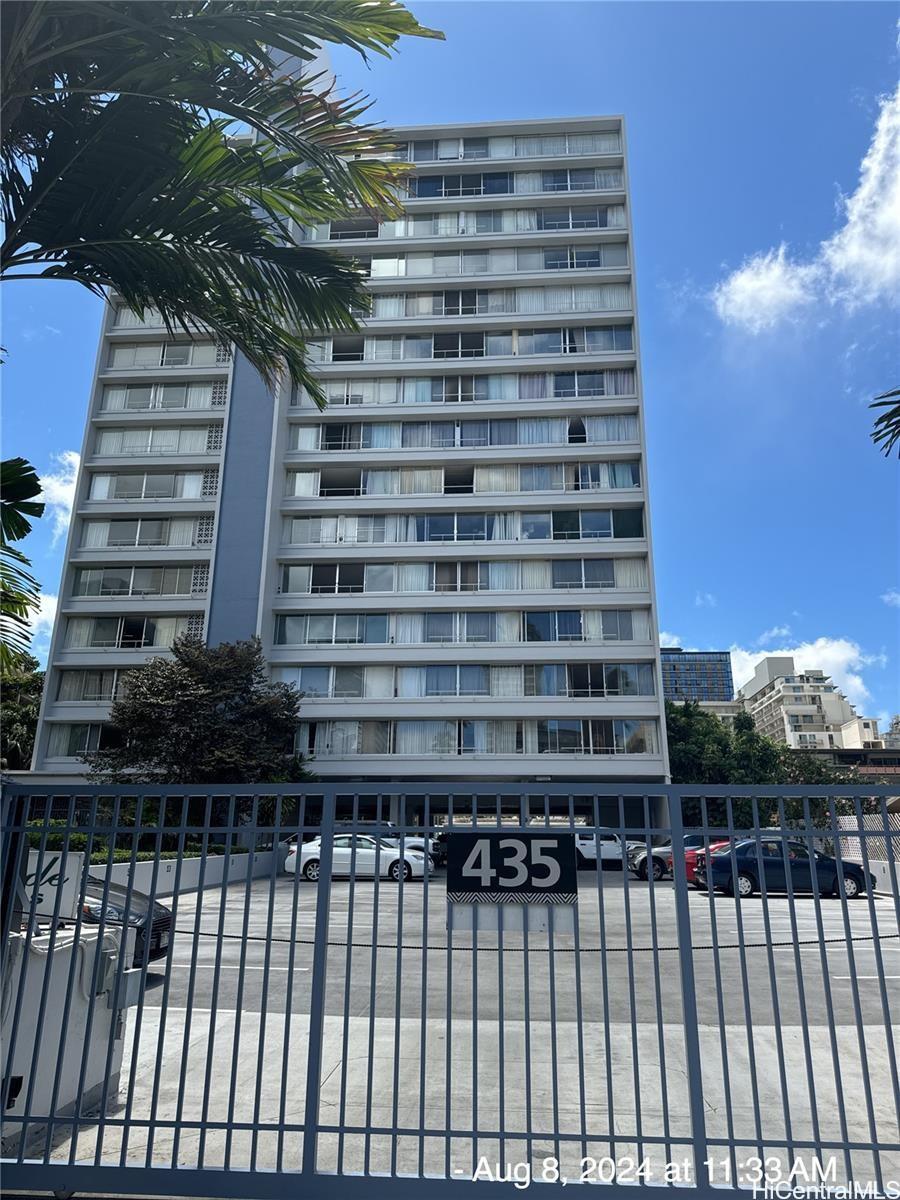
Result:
<point x="886" y="431"/>
<point x="19" y="600"/>
<point x="18" y="485"/>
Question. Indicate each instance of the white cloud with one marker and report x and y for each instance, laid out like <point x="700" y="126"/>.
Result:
<point x="892" y="598"/>
<point x="858" y="265"/>
<point x="777" y="631"/>
<point x="705" y="600"/>
<point x="841" y="658"/>
<point x="669" y="639"/>
<point x="42" y="626"/>
<point x="58" y="491"/>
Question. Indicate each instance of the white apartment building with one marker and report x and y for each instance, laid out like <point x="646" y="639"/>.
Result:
<point x="804" y="709"/>
<point x="452" y="561"/>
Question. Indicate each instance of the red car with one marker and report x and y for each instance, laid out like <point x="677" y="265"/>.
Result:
<point x="691" y="856"/>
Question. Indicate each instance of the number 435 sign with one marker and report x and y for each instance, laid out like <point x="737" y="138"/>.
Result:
<point x="496" y="867"/>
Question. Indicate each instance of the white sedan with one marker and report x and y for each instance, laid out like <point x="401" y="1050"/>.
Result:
<point x="371" y="856"/>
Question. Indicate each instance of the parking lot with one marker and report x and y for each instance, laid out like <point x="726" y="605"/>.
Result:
<point x="440" y="1035"/>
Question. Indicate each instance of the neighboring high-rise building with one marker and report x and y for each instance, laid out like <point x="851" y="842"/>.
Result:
<point x="804" y="709"/>
<point x="452" y="561"/>
<point x="696" y="674"/>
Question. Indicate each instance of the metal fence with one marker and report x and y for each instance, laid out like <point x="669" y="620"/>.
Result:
<point x="182" y="1015"/>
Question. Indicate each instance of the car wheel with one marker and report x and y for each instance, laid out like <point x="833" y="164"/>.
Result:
<point x="642" y="871"/>
<point x="746" y="885"/>
<point x="657" y="870"/>
<point x="311" y="870"/>
<point x="851" y="887"/>
<point x="396" y="869"/>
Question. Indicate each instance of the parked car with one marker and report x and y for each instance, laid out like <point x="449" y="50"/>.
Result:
<point x="153" y="919"/>
<point x="657" y="860"/>
<point x="750" y="862"/>
<point x="693" y="855"/>
<point x="372" y="854"/>
<point x="610" y="846"/>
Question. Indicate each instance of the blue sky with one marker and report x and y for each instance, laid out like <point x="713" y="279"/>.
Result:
<point x="764" y="146"/>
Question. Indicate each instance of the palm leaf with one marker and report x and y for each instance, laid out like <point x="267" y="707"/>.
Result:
<point x="887" y="427"/>
<point x="18" y="484"/>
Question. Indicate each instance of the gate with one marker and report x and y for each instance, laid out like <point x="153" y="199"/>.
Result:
<point x="243" y="991"/>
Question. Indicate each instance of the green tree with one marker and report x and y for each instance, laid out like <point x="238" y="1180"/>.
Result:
<point x="22" y="686"/>
<point x="700" y="745"/>
<point x="19" y="590"/>
<point x="754" y="758"/>
<point x="121" y="170"/>
<point x="205" y="715"/>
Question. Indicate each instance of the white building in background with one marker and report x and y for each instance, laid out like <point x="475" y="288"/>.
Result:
<point x="804" y="709"/>
<point x="453" y="561"/>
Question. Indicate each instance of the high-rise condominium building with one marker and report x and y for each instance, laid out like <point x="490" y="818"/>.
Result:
<point x="452" y="561"/>
<point x="696" y="674"/>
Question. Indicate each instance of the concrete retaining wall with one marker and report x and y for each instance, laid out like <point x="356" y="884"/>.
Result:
<point x="190" y="872"/>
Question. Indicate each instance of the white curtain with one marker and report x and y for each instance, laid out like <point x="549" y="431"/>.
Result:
<point x="631" y="573"/>
<point x="449" y="223"/>
<point x="610" y="178"/>
<point x="379" y="681"/>
<point x="410" y="682"/>
<point x="164" y="630"/>
<point x="79" y="631"/>
<point x="305" y="437"/>
<point x="181" y="531"/>
<point x="540" y="146"/>
<point x="502" y="387"/>
<point x="530" y="300"/>
<point x="506" y="681"/>
<point x="532" y="387"/>
<point x="504" y="576"/>
<point x="620" y="383"/>
<point x="380" y="391"/>
<point x="536" y="575"/>
<point x="502" y="261"/>
<point x="624" y="475"/>
<point x="109" y="441"/>
<point x="508" y="626"/>
<point x="504" y="526"/>
<point x="526" y="220"/>
<point x="640" y="624"/>
<point x="414" y="577"/>
<point x="421" y="481"/>
<point x="536" y="431"/>
<point x="500" y="300"/>
<point x="425" y="737"/>
<point x="100" y="486"/>
<point x="416" y="391"/>
<point x="343" y="738"/>
<point x="528" y="181"/>
<point x="189" y="486"/>
<point x="190" y="441"/>
<point x="113" y="399"/>
<point x="420" y="264"/>
<point x="502" y="736"/>
<point x="199" y="395"/>
<point x="530" y="737"/>
<point x="139" y="441"/>
<point x="497" y="479"/>
<point x="304" y="483"/>
<point x="541" y="477"/>
<point x="592" y="623"/>
<point x="615" y="216"/>
<point x="613" y="428"/>
<point x="95" y="534"/>
<point x="409" y="628"/>
<point x="381" y="483"/>
<point x="389" y="307"/>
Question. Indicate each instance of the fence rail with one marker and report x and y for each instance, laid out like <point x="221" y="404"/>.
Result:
<point x="238" y="991"/>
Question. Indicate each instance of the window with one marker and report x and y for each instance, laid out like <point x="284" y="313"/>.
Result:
<point x="628" y="523"/>
<point x="559" y="737"/>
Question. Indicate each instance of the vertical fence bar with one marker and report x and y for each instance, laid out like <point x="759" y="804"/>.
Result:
<point x="423" y="1002"/>
<point x="317" y="991"/>
<point x="604" y="983"/>
<point x="289" y="991"/>
<point x="345" y="1030"/>
<point x="264" y="992"/>
<point x="689" y="997"/>
<point x="657" y="984"/>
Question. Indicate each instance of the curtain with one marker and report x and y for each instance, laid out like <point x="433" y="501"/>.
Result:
<point x="379" y="391"/>
<point x="624" y="475"/>
<point x="503" y="526"/>
<point x="528" y="181"/>
<point x="414" y="577"/>
<point x="109" y="441"/>
<point x="502" y="737"/>
<point x="305" y="437"/>
<point x="190" y="441"/>
<point x="449" y="223"/>
<point x="189" y="486"/>
<point x="631" y="573"/>
<point x="541" y="477"/>
<point x="416" y="391"/>
<point x="381" y="483"/>
<point x="163" y="630"/>
<point x="425" y="737"/>
<point x="386" y="265"/>
<point x="506" y="681"/>
<point x="526" y="220"/>
<point x="420" y="264"/>
<point x="502" y="261"/>
<point x="613" y="428"/>
<point x="610" y="178"/>
<point x="501" y="147"/>
<point x="615" y="216"/>
<point x="113" y="399"/>
<point x="409" y="628"/>
<point x="527" y="259"/>
<point x="78" y="632"/>
<point x="96" y="533"/>
<point x="540" y="146"/>
<point x="389" y="307"/>
<point x="536" y="575"/>
<point x="343" y="738"/>
<point x="100" y="486"/>
<point x="640" y="624"/>
<point x="530" y="737"/>
<point x="620" y="383"/>
<point x="181" y="531"/>
<point x="384" y="435"/>
<point x="304" y="483"/>
<point x="199" y="395"/>
<point x="137" y="441"/>
<point x="500" y="300"/>
<point x="421" y="481"/>
<point x="593" y="624"/>
<point x="504" y="576"/>
<point x="533" y="387"/>
<point x="379" y="681"/>
<point x="497" y="479"/>
<point x="535" y="431"/>
<point x="375" y="737"/>
<point x="410" y="682"/>
<point x="501" y="387"/>
<point x="508" y="627"/>
<point x="530" y="300"/>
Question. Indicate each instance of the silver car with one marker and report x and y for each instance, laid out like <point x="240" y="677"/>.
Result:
<point x="360" y="855"/>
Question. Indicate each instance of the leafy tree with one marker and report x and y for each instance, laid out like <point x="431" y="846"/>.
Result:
<point x="887" y="426"/>
<point x="754" y="758"/>
<point x="700" y="748"/>
<point x="205" y="715"/>
<point x="22" y="686"/>
<point x="19" y="590"/>
<point x="120" y="168"/>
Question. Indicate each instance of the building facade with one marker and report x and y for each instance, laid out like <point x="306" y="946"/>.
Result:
<point x="804" y="709"/>
<point x="453" y="560"/>
<point x="696" y="674"/>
